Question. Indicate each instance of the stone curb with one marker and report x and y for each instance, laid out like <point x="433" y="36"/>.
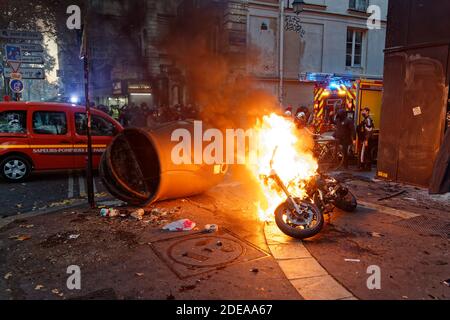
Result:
<point x="303" y="271"/>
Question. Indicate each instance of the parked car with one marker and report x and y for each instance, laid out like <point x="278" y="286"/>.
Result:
<point x="38" y="136"/>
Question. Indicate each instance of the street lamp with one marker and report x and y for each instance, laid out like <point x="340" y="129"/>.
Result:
<point x="299" y="6"/>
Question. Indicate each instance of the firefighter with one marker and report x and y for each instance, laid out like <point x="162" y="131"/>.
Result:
<point x="288" y="112"/>
<point x="300" y="120"/>
<point x="365" y="132"/>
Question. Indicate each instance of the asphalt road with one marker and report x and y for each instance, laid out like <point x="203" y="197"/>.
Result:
<point x="123" y="258"/>
<point x="44" y="190"/>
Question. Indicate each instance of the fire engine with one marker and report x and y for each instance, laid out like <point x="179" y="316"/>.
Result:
<point x="338" y="93"/>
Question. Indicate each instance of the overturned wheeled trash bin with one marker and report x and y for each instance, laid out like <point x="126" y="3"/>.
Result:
<point x="137" y="167"/>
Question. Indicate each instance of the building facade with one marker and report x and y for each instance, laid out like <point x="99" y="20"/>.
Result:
<point x="124" y="56"/>
<point x="261" y="38"/>
<point x="328" y="37"/>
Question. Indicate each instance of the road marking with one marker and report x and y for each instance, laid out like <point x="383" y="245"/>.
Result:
<point x="307" y="276"/>
<point x="71" y="186"/>
<point x="390" y="211"/>
<point x="82" y="186"/>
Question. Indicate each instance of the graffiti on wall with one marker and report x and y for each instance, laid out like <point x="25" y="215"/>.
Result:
<point x="292" y="23"/>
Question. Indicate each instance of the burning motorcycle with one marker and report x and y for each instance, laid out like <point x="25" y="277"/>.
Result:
<point x="295" y="217"/>
<point x="303" y="218"/>
<point x="327" y="193"/>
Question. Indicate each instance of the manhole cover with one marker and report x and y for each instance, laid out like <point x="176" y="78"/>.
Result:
<point x="194" y="254"/>
<point x="206" y="251"/>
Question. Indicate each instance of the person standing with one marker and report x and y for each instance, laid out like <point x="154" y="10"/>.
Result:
<point x="365" y="133"/>
<point x="288" y="112"/>
<point x="345" y="133"/>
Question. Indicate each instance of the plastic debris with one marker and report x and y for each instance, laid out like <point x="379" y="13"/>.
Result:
<point x="57" y="292"/>
<point x="254" y="270"/>
<point x="74" y="236"/>
<point x="109" y="212"/>
<point x="180" y="225"/>
<point x="138" y="214"/>
<point x="175" y="210"/>
<point x="8" y="275"/>
<point x="376" y="234"/>
<point x="352" y="260"/>
<point x="20" y="238"/>
<point x="39" y="287"/>
<point x="447" y="282"/>
<point x="27" y="226"/>
<point x="392" y="195"/>
<point x="211" y="228"/>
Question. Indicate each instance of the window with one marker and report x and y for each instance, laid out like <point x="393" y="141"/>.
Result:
<point x="13" y="122"/>
<point x="100" y="126"/>
<point x="45" y="122"/>
<point x="354" y="48"/>
<point x="359" y="5"/>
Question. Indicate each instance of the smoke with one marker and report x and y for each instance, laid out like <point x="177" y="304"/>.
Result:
<point x="216" y="81"/>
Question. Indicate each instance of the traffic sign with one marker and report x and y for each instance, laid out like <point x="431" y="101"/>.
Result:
<point x="13" y="52"/>
<point x="22" y="35"/>
<point x="32" y="59"/>
<point x="16" y="86"/>
<point x="13" y="55"/>
<point x="14" y="65"/>
<point x="16" y="76"/>
<point x="31" y="47"/>
<point x="27" y="73"/>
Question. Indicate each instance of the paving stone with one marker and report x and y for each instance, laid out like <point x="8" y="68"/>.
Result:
<point x="321" y="288"/>
<point x="275" y="236"/>
<point x="289" y="251"/>
<point x="301" y="268"/>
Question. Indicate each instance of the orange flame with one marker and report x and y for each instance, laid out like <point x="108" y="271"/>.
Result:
<point x="293" y="161"/>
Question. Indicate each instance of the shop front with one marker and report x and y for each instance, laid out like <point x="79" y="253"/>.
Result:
<point x="132" y="92"/>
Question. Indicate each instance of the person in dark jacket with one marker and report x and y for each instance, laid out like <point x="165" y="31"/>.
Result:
<point x="365" y="133"/>
<point x="345" y="133"/>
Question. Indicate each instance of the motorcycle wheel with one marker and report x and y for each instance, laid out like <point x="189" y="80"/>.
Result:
<point x="284" y="221"/>
<point x="347" y="203"/>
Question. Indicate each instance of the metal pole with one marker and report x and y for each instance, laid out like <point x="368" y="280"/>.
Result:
<point x="5" y="89"/>
<point x="6" y="86"/>
<point x="89" y="175"/>
<point x="281" y="53"/>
